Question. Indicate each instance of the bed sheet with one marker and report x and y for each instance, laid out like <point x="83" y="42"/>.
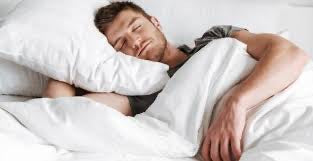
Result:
<point x="16" y="138"/>
<point x="11" y="98"/>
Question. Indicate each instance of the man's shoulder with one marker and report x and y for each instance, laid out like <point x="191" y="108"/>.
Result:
<point x="213" y="33"/>
<point x="221" y="31"/>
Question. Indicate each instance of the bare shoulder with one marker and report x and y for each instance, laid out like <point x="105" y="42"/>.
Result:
<point x="258" y="43"/>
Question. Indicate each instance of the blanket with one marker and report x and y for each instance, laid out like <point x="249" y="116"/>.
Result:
<point x="172" y="129"/>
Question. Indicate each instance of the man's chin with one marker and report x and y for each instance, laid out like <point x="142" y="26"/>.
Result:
<point x="156" y="55"/>
<point x="155" y="59"/>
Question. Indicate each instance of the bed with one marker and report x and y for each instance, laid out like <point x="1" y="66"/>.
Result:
<point x="77" y="128"/>
<point x="11" y="98"/>
<point x="41" y="130"/>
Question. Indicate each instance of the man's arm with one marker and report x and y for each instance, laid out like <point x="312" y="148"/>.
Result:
<point x="118" y="102"/>
<point x="56" y="89"/>
<point x="280" y="63"/>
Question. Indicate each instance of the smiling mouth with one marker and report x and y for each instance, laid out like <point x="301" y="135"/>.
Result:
<point x="143" y="49"/>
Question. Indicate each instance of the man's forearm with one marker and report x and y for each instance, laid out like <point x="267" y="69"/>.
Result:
<point x="279" y="67"/>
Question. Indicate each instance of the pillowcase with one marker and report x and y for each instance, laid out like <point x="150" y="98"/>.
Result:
<point x="18" y="80"/>
<point x="59" y="39"/>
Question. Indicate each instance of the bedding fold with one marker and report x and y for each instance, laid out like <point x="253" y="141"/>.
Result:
<point x="174" y="125"/>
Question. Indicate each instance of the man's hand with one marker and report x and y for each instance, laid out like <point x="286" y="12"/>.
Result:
<point x="223" y="139"/>
<point x="280" y="62"/>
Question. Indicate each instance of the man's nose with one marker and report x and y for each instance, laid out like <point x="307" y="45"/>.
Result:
<point x="136" y="41"/>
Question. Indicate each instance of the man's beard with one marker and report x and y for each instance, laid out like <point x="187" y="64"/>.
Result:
<point x="160" y="49"/>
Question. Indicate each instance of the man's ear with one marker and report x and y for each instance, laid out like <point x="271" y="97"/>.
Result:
<point x="156" y="22"/>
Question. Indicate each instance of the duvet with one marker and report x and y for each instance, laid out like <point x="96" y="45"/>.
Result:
<point x="79" y="129"/>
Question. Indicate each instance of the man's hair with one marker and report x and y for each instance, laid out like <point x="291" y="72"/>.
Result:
<point x="105" y="15"/>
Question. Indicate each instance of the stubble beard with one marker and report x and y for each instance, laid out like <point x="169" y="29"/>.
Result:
<point x="161" y="47"/>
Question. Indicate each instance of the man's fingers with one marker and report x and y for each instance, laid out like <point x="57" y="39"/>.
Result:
<point x="214" y="152"/>
<point x="225" y="149"/>
<point x="235" y="146"/>
<point x="205" y="149"/>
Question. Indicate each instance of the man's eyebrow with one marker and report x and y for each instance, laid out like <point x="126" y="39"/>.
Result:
<point x="132" y="21"/>
<point x="129" y="24"/>
<point x="116" y="42"/>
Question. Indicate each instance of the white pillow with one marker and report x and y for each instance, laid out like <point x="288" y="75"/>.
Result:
<point x="59" y="39"/>
<point x="18" y="80"/>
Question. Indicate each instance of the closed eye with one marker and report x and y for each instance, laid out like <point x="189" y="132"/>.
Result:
<point x="138" y="27"/>
<point x="122" y="45"/>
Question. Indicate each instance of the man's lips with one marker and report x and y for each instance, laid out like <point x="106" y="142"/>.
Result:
<point x="144" y="47"/>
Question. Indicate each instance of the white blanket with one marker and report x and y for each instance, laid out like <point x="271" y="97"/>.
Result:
<point x="79" y="129"/>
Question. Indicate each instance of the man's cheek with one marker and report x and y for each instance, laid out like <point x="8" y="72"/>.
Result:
<point x="128" y="52"/>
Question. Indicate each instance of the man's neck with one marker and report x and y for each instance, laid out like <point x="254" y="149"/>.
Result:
<point x="173" y="56"/>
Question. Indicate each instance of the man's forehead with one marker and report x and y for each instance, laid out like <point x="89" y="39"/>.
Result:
<point x="121" y="22"/>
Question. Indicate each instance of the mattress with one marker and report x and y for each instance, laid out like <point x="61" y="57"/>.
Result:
<point x="11" y="98"/>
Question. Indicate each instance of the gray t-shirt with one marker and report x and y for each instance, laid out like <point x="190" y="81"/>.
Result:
<point x="140" y="104"/>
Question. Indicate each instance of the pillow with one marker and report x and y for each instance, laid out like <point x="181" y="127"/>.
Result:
<point x="18" y="80"/>
<point x="59" y="39"/>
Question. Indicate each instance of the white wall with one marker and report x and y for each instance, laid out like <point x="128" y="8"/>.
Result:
<point x="299" y="21"/>
<point x="184" y="20"/>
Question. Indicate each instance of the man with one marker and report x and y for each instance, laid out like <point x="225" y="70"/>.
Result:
<point x="131" y="30"/>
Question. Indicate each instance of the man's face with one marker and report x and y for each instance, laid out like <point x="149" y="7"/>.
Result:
<point x="136" y="35"/>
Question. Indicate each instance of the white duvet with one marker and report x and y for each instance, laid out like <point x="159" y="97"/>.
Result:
<point x="79" y="129"/>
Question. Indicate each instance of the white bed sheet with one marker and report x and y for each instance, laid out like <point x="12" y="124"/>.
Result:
<point x="11" y="98"/>
<point x="15" y="138"/>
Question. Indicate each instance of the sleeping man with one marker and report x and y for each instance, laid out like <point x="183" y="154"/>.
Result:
<point x="131" y="30"/>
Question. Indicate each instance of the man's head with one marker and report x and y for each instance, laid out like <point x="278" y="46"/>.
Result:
<point x="131" y="30"/>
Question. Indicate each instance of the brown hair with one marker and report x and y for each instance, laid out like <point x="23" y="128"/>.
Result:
<point x="105" y="15"/>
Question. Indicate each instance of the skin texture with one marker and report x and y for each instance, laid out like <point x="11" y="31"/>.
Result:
<point x="280" y="62"/>
<point x="137" y="36"/>
<point x="55" y="89"/>
<point x="142" y="37"/>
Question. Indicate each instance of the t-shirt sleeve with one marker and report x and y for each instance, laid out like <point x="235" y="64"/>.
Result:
<point x="215" y="32"/>
<point x="140" y="104"/>
<point x="220" y="31"/>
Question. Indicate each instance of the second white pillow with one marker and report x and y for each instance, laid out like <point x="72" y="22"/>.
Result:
<point x="19" y="80"/>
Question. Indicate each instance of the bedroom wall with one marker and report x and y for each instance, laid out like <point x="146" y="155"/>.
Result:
<point x="299" y="20"/>
<point x="185" y="20"/>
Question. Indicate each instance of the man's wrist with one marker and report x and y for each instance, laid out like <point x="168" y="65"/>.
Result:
<point x="236" y="100"/>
